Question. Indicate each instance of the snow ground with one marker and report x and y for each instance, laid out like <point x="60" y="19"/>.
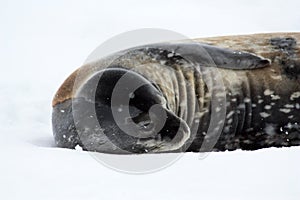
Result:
<point x="43" y="42"/>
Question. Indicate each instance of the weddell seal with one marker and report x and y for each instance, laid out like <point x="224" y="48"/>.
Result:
<point x="213" y="94"/>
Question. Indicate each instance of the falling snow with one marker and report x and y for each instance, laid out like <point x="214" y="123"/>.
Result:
<point x="285" y="110"/>
<point x="268" y="92"/>
<point x="264" y="114"/>
<point x="268" y="107"/>
<point x="39" y="49"/>
<point x="295" y="95"/>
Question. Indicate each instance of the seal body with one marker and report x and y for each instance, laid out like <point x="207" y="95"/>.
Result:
<point x="215" y="94"/>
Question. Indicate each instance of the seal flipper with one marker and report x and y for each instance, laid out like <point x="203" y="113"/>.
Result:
<point x="212" y="56"/>
<point x="230" y="59"/>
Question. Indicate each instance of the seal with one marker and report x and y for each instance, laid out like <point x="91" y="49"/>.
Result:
<point x="185" y="96"/>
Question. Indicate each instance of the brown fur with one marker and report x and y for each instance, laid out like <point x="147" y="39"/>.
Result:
<point x="258" y="44"/>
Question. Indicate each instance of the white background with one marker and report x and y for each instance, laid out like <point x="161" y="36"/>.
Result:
<point x="42" y="42"/>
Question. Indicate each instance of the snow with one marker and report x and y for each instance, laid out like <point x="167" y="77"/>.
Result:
<point x="42" y="42"/>
<point x="268" y="92"/>
<point x="295" y="95"/>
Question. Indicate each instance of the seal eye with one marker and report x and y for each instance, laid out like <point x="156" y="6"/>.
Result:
<point x="147" y="125"/>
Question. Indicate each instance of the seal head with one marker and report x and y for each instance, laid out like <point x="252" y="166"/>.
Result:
<point x="118" y="110"/>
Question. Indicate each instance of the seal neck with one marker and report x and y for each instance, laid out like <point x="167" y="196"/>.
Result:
<point x="190" y="95"/>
